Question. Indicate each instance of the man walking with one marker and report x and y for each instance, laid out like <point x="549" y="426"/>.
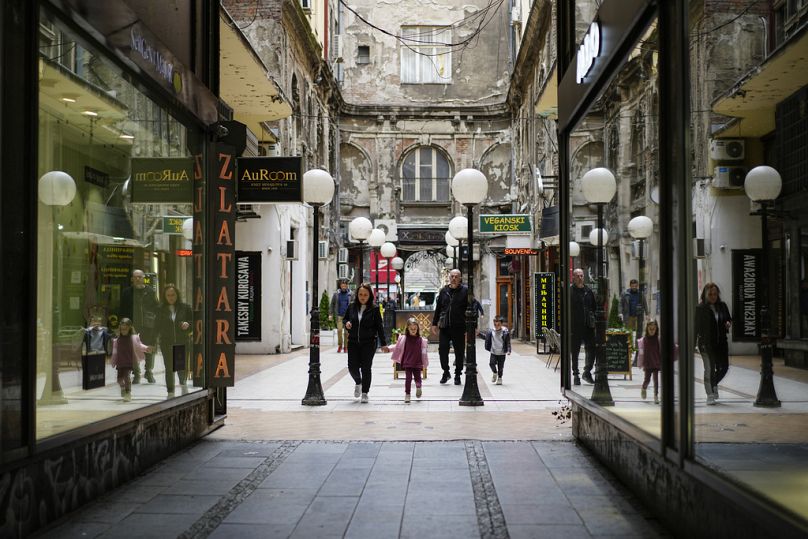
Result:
<point x="339" y="304"/>
<point x="630" y="304"/>
<point x="582" y="301"/>
<point x="139" y="303"/>
<point x="450" y="320"/>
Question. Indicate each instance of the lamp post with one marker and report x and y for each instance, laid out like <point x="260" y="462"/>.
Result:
<point x="470" y="187"/>
<point x="599" y="186"/>
<point x="640" y="228"/>
<point x="398" y="265"/>
<point x="451" y="241"/>
<point x="388" y="251"/>
<point x="360" y="229"/>
<point x="459" y="230"/>
<point x="375" y="240"/>
<point x="762" y="185"/>
<point x="318" y="189"/>
<point x="575" y="250"/>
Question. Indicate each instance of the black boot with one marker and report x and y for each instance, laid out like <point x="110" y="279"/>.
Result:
<point x="445" y="377"/>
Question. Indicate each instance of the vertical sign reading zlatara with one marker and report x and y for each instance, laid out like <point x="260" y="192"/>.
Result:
<point x="248" y="296"/>
<point x="198" y="370"/>
<point x="221" y="365"/>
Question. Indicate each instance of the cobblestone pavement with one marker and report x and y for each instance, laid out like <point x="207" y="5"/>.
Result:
<point x="313" y="489"/>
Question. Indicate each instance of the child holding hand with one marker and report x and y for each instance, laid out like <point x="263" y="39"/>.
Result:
<point x="126" y="350"/>
<point x="411" y="352"/>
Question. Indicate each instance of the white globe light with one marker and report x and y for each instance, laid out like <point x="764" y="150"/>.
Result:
<point x="469" y="186"/>
<point x="376" y="238"/>
<point x="188" y="229"/>
<point x="398" y="279"/>
<point x="593" y="237"/>
<point x="450" y="251"/>
<point x="57" y="188"/>
<point x="459" y="228"/>
<point x="388" y="250"/>
<point x="318" y="187"/>
<point x="575" y="249"/>
<point x="448" y="262"/>
<point x="640" y="227"/>
<point x="451" y="240"/>
<point x="598" y="185"/>
<point x="763" y="183"/>
<point x="397" y="262"/>
<point x="360" y="228"/>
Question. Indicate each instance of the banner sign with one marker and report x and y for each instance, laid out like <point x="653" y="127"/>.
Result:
<point x="746" y="292"/>
<point x="172" y="224"/>
<point x="544" y="286"/>
<point x="198" y="351"/>
<point x="248" y="296"/>
<point x="158" y="179"/>
<point x="269" y="179"/>
<point x="505" y="224"/>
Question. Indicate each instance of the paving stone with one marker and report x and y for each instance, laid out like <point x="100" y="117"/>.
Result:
<point x="534" y="531"/>
<point x="173" y="505"/>
<point x="374" y="525"/>
<point x="534" y="513"/>
<point x="235" y="462"/>
<point x="272" y="506"/>
<point x="201" y="487"/>
<point x="134" y="493"/>
<point x="106" y="512"/>
<point x="252" y="531"/>
<point x="326" y="517"/>
<point x="345" y="482"/>
<point x="439" y="526"/>
<point x="140" y="526"/>
<point x="76" y="530"/>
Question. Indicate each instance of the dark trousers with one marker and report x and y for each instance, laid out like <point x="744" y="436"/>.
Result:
<point x="412" y="373"/>
<point x="168" y="360"/>
<point x="360" y="361"/>
<point x="497" y="363"/>
<point x="457" y="337"/>
<point x="588" y="340"/>
<point x="647" y="379"/>
<point x="716" y="365"/>
<point x="145" y="338"/>
<point x="125" y="379"/>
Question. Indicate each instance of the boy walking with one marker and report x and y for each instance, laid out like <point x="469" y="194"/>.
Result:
<point x="498" y="342"/>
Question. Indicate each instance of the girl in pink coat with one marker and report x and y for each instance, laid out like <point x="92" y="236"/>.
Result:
<point x="126" y="350"/>
<point x="411" y="352"/>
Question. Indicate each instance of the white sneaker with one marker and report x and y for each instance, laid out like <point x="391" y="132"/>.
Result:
<point x="407" y="398"/>
<point x="357" y="390"/>
<point x="494" y="378"/>
<point x="710" y="400"/>
<point x="364" y="397"/>
<point x="715" y="392"/>
<point x="499" y="380"/>
<point x="418" y="392"/>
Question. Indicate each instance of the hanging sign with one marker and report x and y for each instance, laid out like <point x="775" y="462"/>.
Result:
<point x="172" y="224"/>
<point x="544" y="286"/>
<point x="269" y="179"/>
<point x="248" y="296"/>
<point x="521" y="251"/>
<point x="746" y="291"/>
<point x="505" y="224"/>
<point x="157" y="180"/>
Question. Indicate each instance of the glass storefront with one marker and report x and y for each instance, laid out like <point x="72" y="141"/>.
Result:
<point x="114" y="241"/>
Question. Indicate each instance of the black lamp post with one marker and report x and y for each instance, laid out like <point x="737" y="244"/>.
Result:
<point x="454" y="243"/>
<point x="360" y="229"/>
<point x="318" y="190"/>
<point x="763" y="186"/>
<point x="470" y="187"/>
<point x="375" y="241"/>
<point x="398" y="265"/>
<point x="599" y="186"/>
<point x="640" y="228"/>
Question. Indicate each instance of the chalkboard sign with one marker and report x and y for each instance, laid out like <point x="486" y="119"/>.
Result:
<point x="618" y="353"/>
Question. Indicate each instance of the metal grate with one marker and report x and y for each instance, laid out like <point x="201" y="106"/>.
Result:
<point x="792" y="142"/>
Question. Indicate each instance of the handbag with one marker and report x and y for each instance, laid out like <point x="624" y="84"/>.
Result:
<point x="590" y="319"/>
<point x="443" y="320"/>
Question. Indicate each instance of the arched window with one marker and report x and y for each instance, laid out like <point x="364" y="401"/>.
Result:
<point x="425" y="175"/>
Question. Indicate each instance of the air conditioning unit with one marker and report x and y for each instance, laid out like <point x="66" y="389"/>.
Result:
<point x="727" y="149"/>
<point x="342" y="271"/>
<point x="698" y="248"/>
<point x="516" y="14"/>
<point x="291" y="250"/>
<point x="322" y="249"/>
<point x="582" y="230"/>
<point x="390" y="228"/>
<point x="342" y="256"/>
<point x="338" y="48"/>
<point x="729" y="177"/>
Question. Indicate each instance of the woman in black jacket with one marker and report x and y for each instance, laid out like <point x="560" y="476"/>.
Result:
<point x="173" y="327"/>
<point x="364" y="324"/>
<point x="712" y="324"/>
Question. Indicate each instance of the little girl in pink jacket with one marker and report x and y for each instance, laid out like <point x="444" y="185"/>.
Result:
<point x="126" y="350"/>
<point x="411" y="352"/>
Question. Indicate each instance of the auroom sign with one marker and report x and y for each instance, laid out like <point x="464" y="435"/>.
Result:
<point x="588" y="51"/>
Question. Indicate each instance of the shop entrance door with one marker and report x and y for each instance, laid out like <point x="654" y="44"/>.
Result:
<point x="504" y="300"/>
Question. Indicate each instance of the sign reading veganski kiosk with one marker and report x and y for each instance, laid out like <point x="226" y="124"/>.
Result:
<point x="157" y="179"/>
<point x="505" y="224"/>
<point x="269" y="179"/>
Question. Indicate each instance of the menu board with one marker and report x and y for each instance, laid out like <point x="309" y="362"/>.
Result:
<point x="618" y="353"/>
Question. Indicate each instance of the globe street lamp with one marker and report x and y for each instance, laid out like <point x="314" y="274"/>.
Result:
<point x="470" y="187"/>
<point x="398" y="265"/>
<point x="599" y="186"/>
<point x="459" y="230"/>
<point x="575" y="249"/>
<point x="360" y="229"/>
<point x="640" y="228"/>
<point x="451" y="242"/>
<point x="762" y="185"/>
<point x="388" y="251"/>
<point x="375" y="240"/>
<point x="318" y="190"/>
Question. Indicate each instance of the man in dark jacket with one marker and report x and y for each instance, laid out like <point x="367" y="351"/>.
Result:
<point x="633" y="308"/>
<point x="139" y="303"/>
<point x="582" y="301"/>
<point x="339" y="305"/>
<point x="450" y="320"/>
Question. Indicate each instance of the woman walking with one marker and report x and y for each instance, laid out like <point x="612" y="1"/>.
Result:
<point x="364" y="324"/>
<point x="173" y="328"/>
<point x="712" y="324"/>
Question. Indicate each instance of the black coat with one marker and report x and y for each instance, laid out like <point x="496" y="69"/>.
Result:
<point x="144" y="318"/>
<point x="583" y="307"/>
<point x="710" y="332"/>
<point x="456" y="303"/>
<point x="170" y="331"/>
<point x="369" y="328"/>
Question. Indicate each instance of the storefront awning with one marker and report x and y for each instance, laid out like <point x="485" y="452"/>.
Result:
<point x="245" y="83"/>
<point x="753" y="98"/>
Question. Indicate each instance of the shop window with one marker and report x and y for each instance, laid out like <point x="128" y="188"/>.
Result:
<point x="115" y="175"/>
<point x="425" y="175"/>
